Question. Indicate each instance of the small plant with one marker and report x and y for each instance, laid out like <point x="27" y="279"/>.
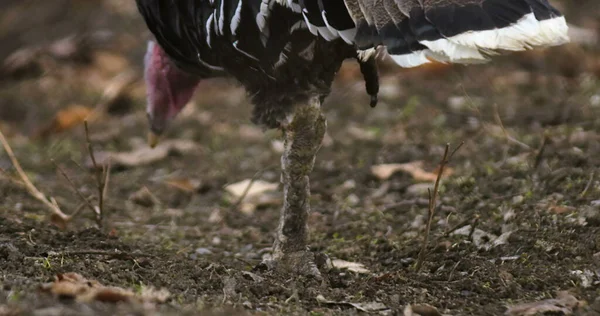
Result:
<point x="58" y="217"/>
<point x="432" y="201"/>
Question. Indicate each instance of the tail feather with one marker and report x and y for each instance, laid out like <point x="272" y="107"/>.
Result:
<point x="415" y="32"/>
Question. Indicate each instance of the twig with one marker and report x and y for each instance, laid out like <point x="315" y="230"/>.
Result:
<point x="73" y="186"/>
<point x="31" y="189"/>
<point x="455" y="227"/>
<point x="508" y="137"/>
<point x="5" y="175"/>
<point x="101" y="177"/>
<point x="248" y="187"/>
<point x="540" y="154"/>
<point x="115" y="254"/>
<point x="432" y="204"/>
<point x="587" y="186"/>
<point x="473" y="227"/>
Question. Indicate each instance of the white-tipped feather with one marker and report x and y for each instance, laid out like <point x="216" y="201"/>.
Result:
<point x="411" y="60"/>
<point x="311" y="28"/>
<point x="466" y="48"/>
<point x="326" y="33"/>
<point x="329" y="27"/>
<point x="554" y="31"/>
<point x="524" y="34"/>
<point x="300" y="25"/>
<point x="235" y="20"/>
<point x="221" y="23"/>
<point x="348" y="35"/>
<point x="209" y="23"/>
<point x="453" y="52"/>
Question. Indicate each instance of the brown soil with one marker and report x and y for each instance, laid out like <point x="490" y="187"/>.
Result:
<point x="201" y="248"/>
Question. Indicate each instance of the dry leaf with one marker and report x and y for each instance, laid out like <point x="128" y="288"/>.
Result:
<point x="257" y="187"/>
<point x="143" y="197"/>
<point x="481" y="239"/>
<point x="185" y="184"/>
<point x="22" y="62"/>
<point x="66" y="119"/>
<point x="260" y="193"/>
<point x="563" y="304"/>
<point x="415" y="169"/>
<point x="350" y="266"/>
<point x="561" y="209"/>
<point x="144" y="155"/>
<point x="75" y="286"/>
<point x="421" y="310"/>
<point x="368" y="307"/>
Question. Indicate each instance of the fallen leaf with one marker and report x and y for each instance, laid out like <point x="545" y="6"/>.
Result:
<point x="415" y="169"/>
<point x="350" y="266"/>
<point x="561" y="209"/>
<point x="22" y="63"/>
<point x="143" y="197"/>
<point x="72" y="116"/>
<point x="257" y="187"/>
<point x="368" y="307"/>
<point x="260" y="193"/>
<point x="586" y="276"/>
<point x="75" y="286"/>
<point x="254" y="277"/>
<point x="421" y="310"/>
<point x="563" y="304"/>
<point x="482" y="239"/>
<point x="144" y="155"/>
<point x="185" y="184"/>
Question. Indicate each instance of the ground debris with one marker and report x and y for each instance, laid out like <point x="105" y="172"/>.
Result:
<point x="482" y="239"/>
<point x="368" y="307"/>
<point x="65" y="119"/>
<point x="251" y="193"/>
<point x="350" y="266"/>
<point x="143" y="197"/>
<point x="414" y="168"/>
<point x="144" y="155"/>
<point x="420" y="310"/>
<point x="563" y="304"/>
<point x="74" y="286"/>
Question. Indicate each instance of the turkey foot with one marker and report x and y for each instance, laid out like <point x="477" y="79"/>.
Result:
<point x="303" y="133"/>
<point x="305" y="263"/>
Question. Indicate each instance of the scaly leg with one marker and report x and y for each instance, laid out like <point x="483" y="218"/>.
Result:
<point x="303" y="135"/>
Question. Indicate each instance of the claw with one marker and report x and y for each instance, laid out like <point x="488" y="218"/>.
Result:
<point x="303" y="263"/>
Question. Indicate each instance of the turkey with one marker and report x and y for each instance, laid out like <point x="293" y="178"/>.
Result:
<point x="286" y="54"/>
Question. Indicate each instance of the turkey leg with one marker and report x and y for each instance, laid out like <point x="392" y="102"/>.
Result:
<point x="303" y="134"/>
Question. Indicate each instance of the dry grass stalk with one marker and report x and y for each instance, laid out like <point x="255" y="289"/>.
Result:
<point x="86" y="201"/>
<point x="432" y="204"/>
<point x="50" y="203"/>
<point x="102" y="178"/>
<point x="505" y="132"/>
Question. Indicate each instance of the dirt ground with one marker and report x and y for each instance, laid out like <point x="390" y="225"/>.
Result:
<point x="518" y="219"/>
